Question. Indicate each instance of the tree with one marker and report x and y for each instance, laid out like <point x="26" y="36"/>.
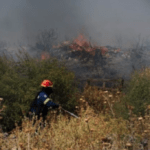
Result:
<point x="45" y="40"/>
<point x="137" y="54"/>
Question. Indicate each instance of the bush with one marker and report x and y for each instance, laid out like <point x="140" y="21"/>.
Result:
<point x="20" y="81"/>
<point x="137" y="94"/>
<point x="11" y="116"/>
<point x="121" y="110"/>
<point x="101" y="101"/>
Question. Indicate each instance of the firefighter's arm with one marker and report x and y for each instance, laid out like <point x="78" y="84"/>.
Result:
<point x="48" y="102"/>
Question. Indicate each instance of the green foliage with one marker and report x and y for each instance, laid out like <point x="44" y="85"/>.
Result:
<point x="19" y="83"/>
<point x="137" y="94"/>
<point x="11" y="116"/>
<point x="121" y="110"/>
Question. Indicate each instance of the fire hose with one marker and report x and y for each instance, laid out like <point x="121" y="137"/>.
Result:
<point x="69" y="113"/>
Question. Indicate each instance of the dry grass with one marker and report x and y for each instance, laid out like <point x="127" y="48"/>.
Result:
<point x="92" y="131"/>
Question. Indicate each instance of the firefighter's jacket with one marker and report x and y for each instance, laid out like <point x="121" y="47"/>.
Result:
<point x="41" y="104"/>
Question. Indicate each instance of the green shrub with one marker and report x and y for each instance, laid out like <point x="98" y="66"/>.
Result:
<point x="137" y="94"/>
<point x="20" y="82"/>
<point x="121" y="110"/>
<point x="11" y="116"/>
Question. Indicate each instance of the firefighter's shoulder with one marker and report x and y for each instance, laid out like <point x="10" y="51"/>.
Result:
<point x="42" y="95"/>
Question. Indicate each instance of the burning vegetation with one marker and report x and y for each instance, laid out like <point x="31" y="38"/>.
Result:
<point x="45" y="55"/>
<point x="93" y="61"/>
<point x="81" y="44"/>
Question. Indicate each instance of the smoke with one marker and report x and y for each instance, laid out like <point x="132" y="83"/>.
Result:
<point x="111" y="20"/>
<point x="21" y="20"/>
<point x="106" y="22"/>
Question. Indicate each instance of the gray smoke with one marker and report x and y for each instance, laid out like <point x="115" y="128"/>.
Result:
<point x="107" y="22"/>
<point x="21" y="20"/>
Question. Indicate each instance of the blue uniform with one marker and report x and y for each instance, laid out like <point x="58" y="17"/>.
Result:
<point x="41" y="104"/>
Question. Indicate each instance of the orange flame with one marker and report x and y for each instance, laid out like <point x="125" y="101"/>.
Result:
<point x="104" y="50"/>
<point x="45" y="56"/>
<point x="81" y="43"/>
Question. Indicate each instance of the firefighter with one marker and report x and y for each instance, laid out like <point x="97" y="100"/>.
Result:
<point x="42" y="101"/>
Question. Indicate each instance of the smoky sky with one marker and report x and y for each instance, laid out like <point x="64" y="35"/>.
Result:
<point x="105" y="21"/>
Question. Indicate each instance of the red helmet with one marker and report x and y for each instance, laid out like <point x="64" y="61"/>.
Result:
<point x="47" y="83"/>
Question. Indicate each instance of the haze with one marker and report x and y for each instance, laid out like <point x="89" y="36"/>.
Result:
<point x="106" y="22"/>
